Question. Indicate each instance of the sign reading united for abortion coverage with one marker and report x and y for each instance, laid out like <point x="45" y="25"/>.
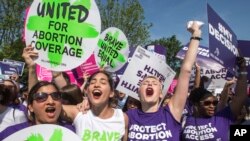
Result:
<point x="222" y="41"/>
<point x="144" y="63"/>
<point x="44" y="132"/>
<point x="65" y="32"/>
<point x="113" y="49"/>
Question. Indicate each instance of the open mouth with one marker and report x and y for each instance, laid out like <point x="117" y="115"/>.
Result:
<point x="149" y="91"/>
<point x="97" y="93"/>
<point x="50" y="109"/>
<point x="51" y="112"/>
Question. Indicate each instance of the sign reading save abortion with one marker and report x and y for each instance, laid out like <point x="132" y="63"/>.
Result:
<point x="64" y="32"/>
<point x="113" y="49"/>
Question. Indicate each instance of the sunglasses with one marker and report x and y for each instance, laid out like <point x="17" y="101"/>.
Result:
<point x="41" y="96"/>
<point x="207" y="103"/>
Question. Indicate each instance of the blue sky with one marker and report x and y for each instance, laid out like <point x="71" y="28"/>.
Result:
<point x="169" y="17"/>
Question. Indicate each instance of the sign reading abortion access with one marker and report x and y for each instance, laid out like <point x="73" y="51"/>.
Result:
<point x="44" y="132"/>
<point x="144" y="63"/>
<point x="113" y="49"/>
<point x="65" y="32"/>
<point x="222" y="41"/>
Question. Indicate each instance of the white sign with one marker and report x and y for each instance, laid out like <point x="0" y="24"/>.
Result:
<point x="144" y="63"/>
<point x="113" y="49"/>
<point x="65" y="33"/>
<point x="44" y="132"/>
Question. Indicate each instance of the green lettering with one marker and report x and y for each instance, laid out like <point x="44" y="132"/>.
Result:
<point x="86" y="135"/>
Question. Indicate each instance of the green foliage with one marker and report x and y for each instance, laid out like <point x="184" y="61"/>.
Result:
<point x="12" y="20"/>
<point x="173" y="46"/>
<point x="127" y="15"/>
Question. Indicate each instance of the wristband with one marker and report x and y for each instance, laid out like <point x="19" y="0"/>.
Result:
<point x="196" y="38"/>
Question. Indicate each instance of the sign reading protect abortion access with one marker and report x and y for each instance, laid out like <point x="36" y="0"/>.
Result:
<point x="222" y="41"/>
<point x="113" y="49"/>
<point x="65" y="32"/>
<point x="144" y="63"/>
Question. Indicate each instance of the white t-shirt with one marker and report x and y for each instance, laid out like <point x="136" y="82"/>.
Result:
<point x="11" y="117"/>
<point x="89" y="127"/>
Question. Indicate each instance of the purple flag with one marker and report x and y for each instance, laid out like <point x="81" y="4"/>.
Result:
<point x="222" y="41"/>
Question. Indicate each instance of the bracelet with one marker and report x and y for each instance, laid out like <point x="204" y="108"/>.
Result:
<point x="196" y="38"/>
<point x="243" y="72"/>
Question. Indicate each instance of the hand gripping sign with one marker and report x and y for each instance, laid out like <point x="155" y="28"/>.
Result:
<point x="64" y="32"/>
<point x="113" y="49"/>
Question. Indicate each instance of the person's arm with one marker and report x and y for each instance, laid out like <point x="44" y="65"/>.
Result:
<point x="85" y="80"/>
<point x="69" y="112"/>
<point x="224" y="94"/>
<point x="241" y="88"/>
<point x="125" y="137"/>
<point x="28" y="55"/>
<point x="59" y="79"/>
<point x="197" y="80"/>
<point x="178" y="100"/>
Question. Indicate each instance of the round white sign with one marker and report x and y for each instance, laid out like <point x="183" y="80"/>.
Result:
<point x="64" y="32"/>
<point x="44" y="132"/>
<point x="113" y="49"/>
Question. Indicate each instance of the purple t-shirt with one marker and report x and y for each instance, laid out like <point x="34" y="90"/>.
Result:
<point x="14" y="128"/>
<point x="159" y="125"/>
<point x="209" y="129"/>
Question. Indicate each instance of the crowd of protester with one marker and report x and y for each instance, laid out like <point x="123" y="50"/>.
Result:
<point x="96" y="107"/>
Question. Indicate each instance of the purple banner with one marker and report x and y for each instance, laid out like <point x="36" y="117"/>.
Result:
<point x="202" y="58"/>
<point x="222" y="41"/>
<point x="7" y="69"/>
<point x="244" y="50"/>
<point x="159" y="50"/>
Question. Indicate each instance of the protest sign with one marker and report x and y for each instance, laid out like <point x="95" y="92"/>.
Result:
<point x="19" y="65"/>
<point x="44" y="132"/>
<point x="158" y="50"/>
<point x="88" y="67"/>
<point x="7" y="69"/>
<point x="46" y="75"/>
<point x="144" y="63"/>
<point x="222" y="41"/>
<point x="202" y="58"/>
<point x="216" y="79"/>
<point x="112" y="50"/>
<point x="65" y="32"/>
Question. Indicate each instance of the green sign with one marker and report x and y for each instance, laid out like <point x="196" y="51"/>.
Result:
<point x="64" y="32"/>
<point x="113" y="49"/>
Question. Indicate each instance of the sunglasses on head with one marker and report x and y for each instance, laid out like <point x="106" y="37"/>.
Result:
<point x="207" y="103"/>
<point x="41" y="96"/>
